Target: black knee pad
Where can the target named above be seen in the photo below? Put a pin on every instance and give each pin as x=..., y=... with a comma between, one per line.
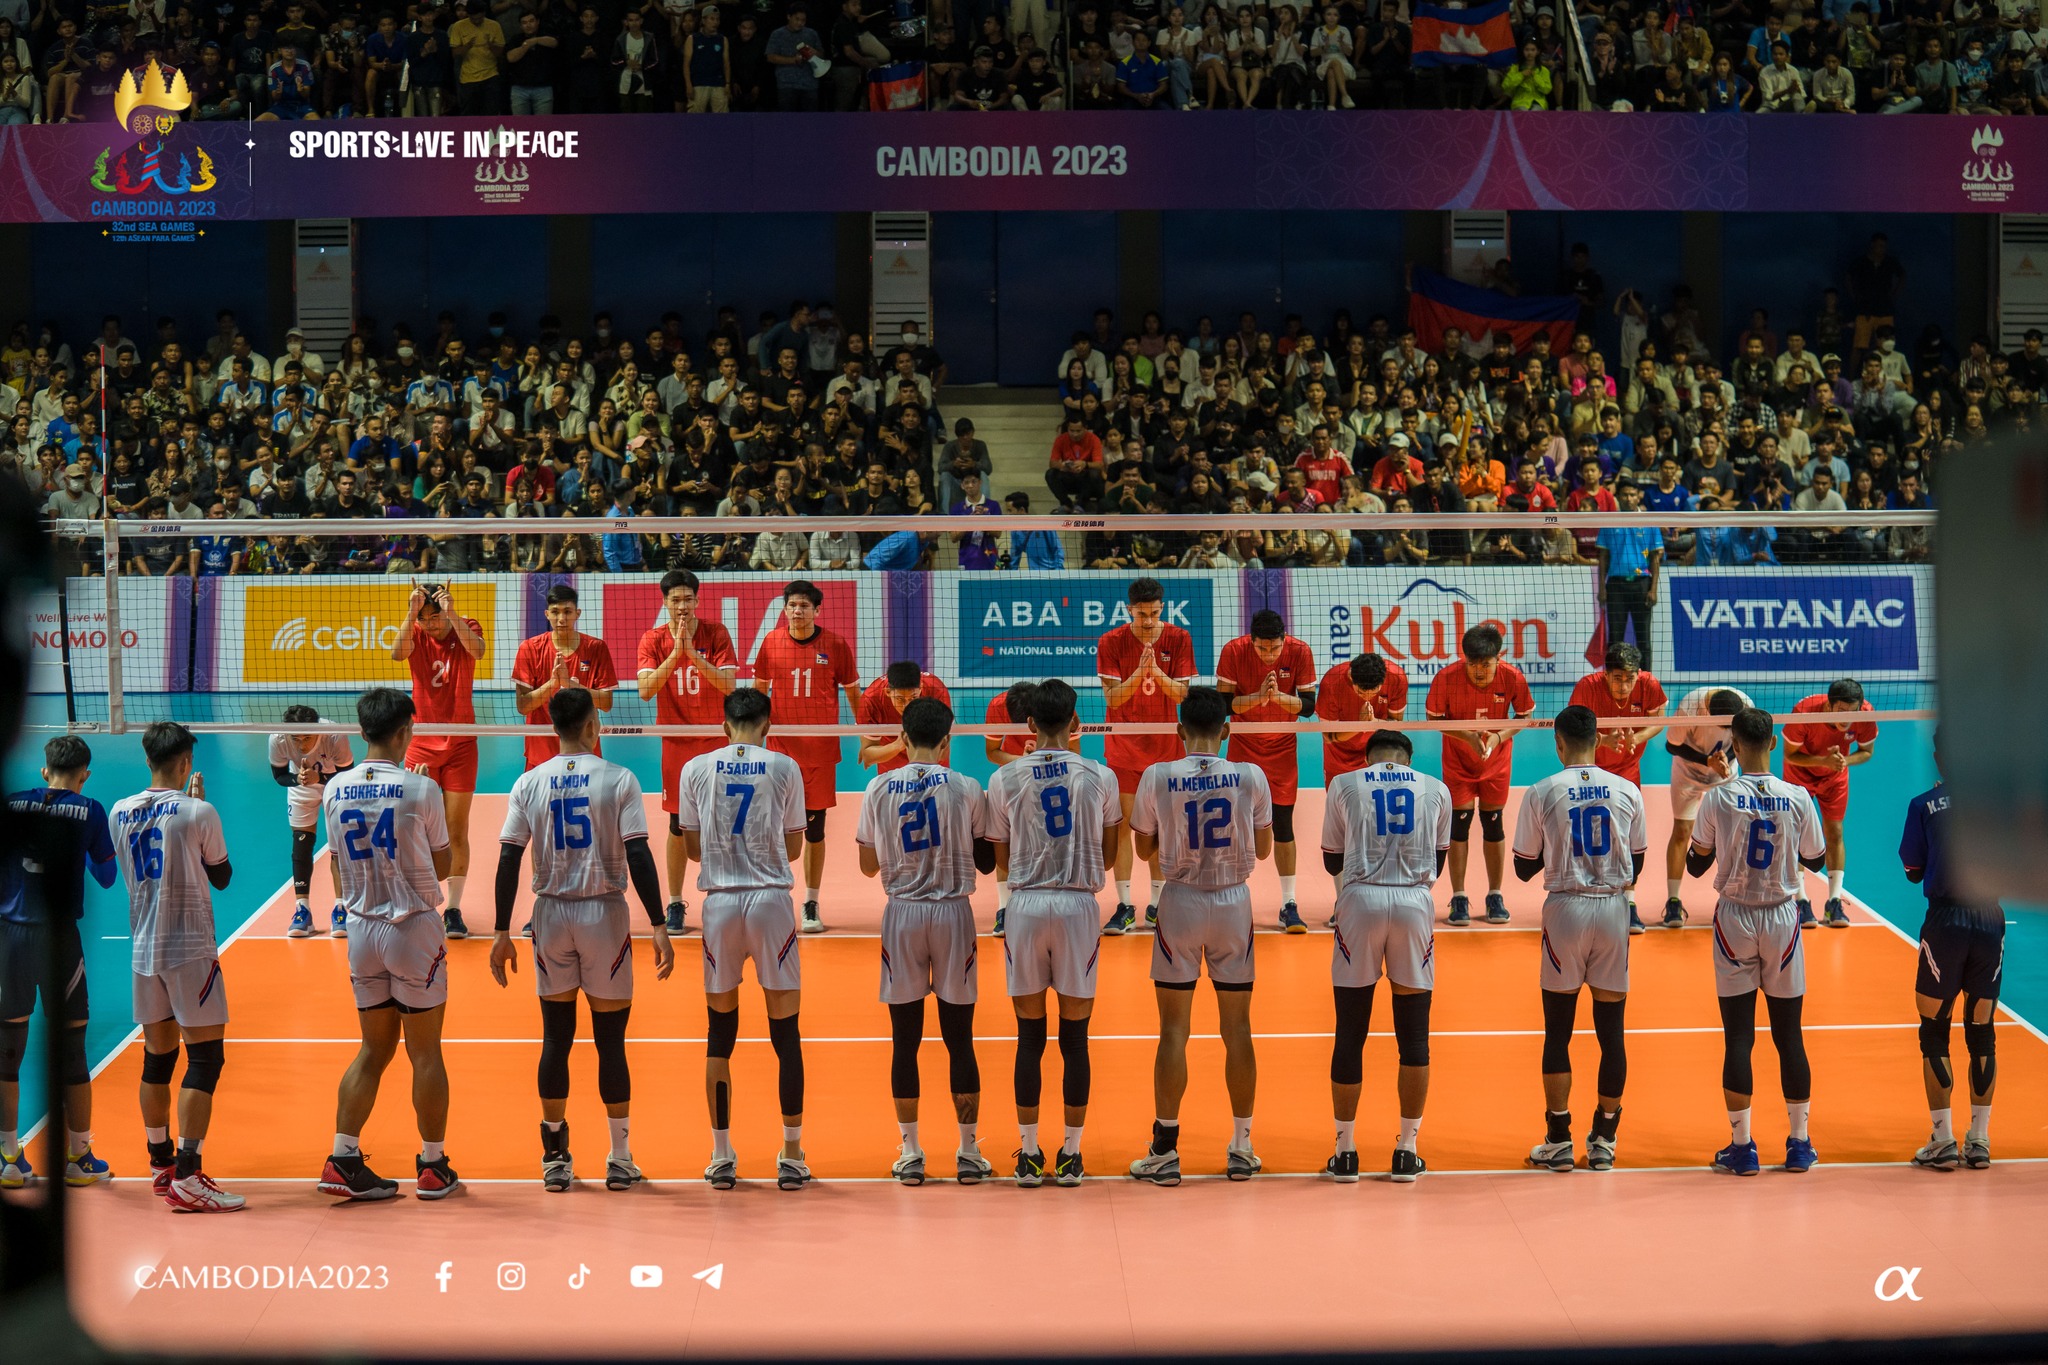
x=721, y=1032
x=1607, y=1026
x=814, y=827
x=159, y=1067
x=1982, y=1041
x=1461, y=826
x=1347, y=1052
x=1934, y=1047
x=1560, y=1014
x=302, y=861
x=1030, y=1057
x=614, y=1078
x=1076, y=1075
x=203, y=1062
x=906, y=1033
x=1492, y=827
x=557, y=1035
x=956, y=1026
x=1283, y=824
x=13, y=1047
x=1411, y=1027
x=787, y=1039
x=675, y=825
x=1795, y=1075
x=76, y=1070
x=1738, y=1041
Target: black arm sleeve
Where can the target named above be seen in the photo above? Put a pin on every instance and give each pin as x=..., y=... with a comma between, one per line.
x=1308, y=703
x=1697, y=862
x=984, y=857
x=646, y=882
x=1814, y=864
x=1333, y=863
x=1525, y=868
x=285, y=777
x=1640, y=859
x=217, y=874
x=1442, y=856
x=1914, y=874
x=509, y=856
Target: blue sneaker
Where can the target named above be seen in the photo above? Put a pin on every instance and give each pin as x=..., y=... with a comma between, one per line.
x=998, y=929
x=1496, y=908
x=339, y=919
x=1738, y=1159
x=677, y=920
x=302, y=923
x=83, y=1168
x=15, y=1172
x=1635, y=921
x=1806, y=919
x=1290, y=919
x=1833, y=915
x=1121, y=921
x=1799, y=1155
x=1461, y=910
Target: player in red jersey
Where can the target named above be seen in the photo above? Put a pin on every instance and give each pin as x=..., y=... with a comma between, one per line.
x=902, y=683
x=442, y=648
x=1818, y=758
x=1270, y=675
x=1622, y=688
x=1479, y=764
x=687, y=666
x=561, y=658
x=802, y=668
x=1144, y=667
x=1012, y=707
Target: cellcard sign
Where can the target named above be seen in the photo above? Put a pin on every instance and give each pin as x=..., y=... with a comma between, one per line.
x=1548, y=619
x=1820, y=623
x=1012, y=626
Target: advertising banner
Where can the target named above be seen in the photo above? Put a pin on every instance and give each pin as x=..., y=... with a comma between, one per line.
x=749, y=606
x=155, y=643
x=1756, y=625
x=1549, y=619
x=337, y=632
x=1020, y=625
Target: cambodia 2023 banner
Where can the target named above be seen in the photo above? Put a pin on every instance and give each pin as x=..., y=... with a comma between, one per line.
x=152, y=168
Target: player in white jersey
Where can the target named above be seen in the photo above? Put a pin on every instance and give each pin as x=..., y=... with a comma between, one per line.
x=1207, y=822
x=390, y=825
x=1764, y=830
x=1702, y=758
x=1013, y=708
x=172, y=854
x=301, y=764
x=1055, y=819
x=924, y=831
x=1386, y=833
x=588, y=827
x=743, y=857
x=1584, y=829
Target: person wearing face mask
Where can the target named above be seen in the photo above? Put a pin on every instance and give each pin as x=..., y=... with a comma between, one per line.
x=310, y=365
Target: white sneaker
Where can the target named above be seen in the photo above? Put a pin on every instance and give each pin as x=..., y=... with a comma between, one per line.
x=909, y=1166
x=723, y=1173
x=197, y=1193
x=1939, y=1155
x=1552, y=1156
x=1240, y=1164
x=971, y=1166
x=791, y=1173
x=812, y=922
x=1157, y=1168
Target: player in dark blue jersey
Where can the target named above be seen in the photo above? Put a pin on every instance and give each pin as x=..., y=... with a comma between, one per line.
x=42, y=896
x=1962, y=952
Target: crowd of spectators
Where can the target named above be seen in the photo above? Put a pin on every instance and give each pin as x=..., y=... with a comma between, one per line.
x=1830, y=414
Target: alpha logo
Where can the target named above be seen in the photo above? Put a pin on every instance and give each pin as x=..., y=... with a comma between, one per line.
x=148, y=106
x=1423, y=628
x=1986, y=178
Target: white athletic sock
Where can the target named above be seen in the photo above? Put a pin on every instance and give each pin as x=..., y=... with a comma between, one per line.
x=10, y=1139
x=1942, y=1131
x=1073, y=1142
x=1002, y=895
x=430, y=1152
x=721, y=1144
x=1287, y=887
x=455, y=885
x=1835, y=883
x=1409, y=1128
x=621, y=1148
x=1123, y=891
x=909, y=1133
x=81, y=1143
x=1796, y=1113
x=1241, y=1133
x=1344, y=1142
x=1980, y=1122
x=1671, y=886
x=345, y=1144
x=192, y=1145
x=1028, y=1133
x=304, y=906
x=1738, y=1123
x=554, y=1125
x=810, y=894
x=1152, y=894
x=157, y=1134
x=970, y=1141
x=792, y=1135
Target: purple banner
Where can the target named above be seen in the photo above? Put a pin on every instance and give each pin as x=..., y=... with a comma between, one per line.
x=179, y=176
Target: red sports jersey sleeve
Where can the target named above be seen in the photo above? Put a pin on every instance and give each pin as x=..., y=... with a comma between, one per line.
x=1116, y=657
x=998, y=713
x=590, y=664
x=878, y=710
x=1826, y=739
x=443, y=677
x=1452, y=696
x=802, y=679
x=688, y=699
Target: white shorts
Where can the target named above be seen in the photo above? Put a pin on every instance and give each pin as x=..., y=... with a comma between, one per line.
x=302, y=806
x=193, y=993
x=1198, y=923
x=584, y=945
x=1585, y=942
x=1757, y=948
x=405, y=960
x=750, y=924
x=1689, y=782
x=928, y=948
x=1390, y=925
x=1052, y=938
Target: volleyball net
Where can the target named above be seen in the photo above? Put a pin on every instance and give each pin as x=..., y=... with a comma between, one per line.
x=221, y=625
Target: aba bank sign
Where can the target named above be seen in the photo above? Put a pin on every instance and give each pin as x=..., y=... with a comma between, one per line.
x=1785, y=623
x=1013, y=627
x=1545, y=634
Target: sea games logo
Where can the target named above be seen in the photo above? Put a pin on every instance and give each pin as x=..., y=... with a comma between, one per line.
x=1987, y=179
x=1422, y=627
x=154, y=189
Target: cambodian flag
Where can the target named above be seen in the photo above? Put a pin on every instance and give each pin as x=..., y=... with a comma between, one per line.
x=1436, y=302
x=1478, y=35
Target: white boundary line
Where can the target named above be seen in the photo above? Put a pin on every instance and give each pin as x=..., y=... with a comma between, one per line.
x=2008, y=1010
